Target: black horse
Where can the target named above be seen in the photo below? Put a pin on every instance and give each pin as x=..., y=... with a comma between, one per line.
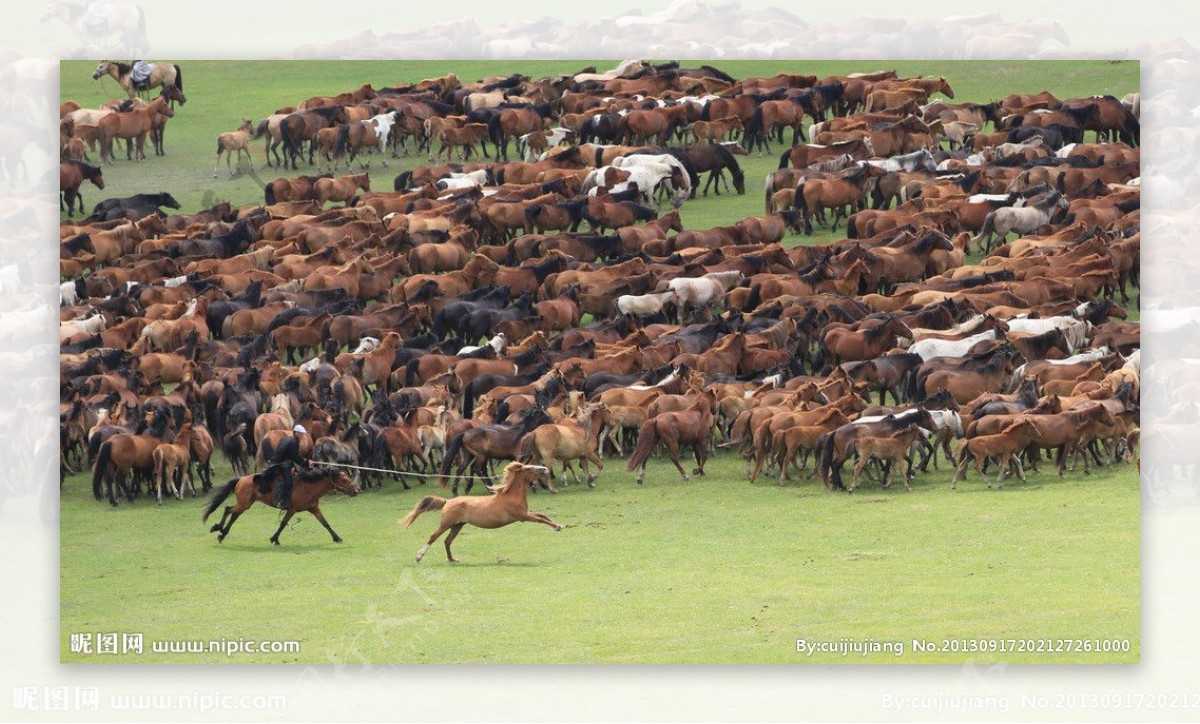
x=132, y=207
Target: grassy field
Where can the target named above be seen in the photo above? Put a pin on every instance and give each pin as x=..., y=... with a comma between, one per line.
x=713, y=570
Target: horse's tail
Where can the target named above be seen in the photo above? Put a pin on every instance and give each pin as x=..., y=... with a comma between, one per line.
x=785, y=158
x=428, y=503
x=754, y=129
x=799, y=201
x=343, y=138
x=1060, y=182
x=646, y=442
x=453, y=448
x=178, y=75
x=988, y=228
x=495, y=132
x=103, y=458
x=525, y=449
x=468, y=403
x=754, y=298
x=824, y=455
x=268, y=192
x=219, y=497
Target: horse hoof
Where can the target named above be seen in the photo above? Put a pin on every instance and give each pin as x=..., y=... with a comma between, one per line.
x=337, y=540
x=557, y=528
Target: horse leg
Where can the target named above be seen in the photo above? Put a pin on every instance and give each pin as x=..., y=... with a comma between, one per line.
x=282, y=524
x=454, y=533
x=673, y=450
x=316, y=511
x=218, y=527
x=528, y=517
x=858, y=468
x=961, y=472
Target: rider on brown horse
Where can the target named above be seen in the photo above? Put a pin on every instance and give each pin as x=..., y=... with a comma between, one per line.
x=283, y=459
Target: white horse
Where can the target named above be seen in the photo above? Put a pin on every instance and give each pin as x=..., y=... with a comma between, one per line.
x=656, y=169
x=1092, y=355
x=1075, y=330
x=471, y=180
x=930, y=348
x=915, y=161
x=699, y=292
x=91, y=325
x=1023, y=220
x=498, y=343
x=643, y=304
x=383, y=128
x=1008, y=149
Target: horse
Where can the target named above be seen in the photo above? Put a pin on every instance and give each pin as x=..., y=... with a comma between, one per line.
x=488, y=442
x=508, y=504
x=174, y=458
x=1004, y=446
x=566, y=440
x=125, y=452
x=816, y=194
x=239, y=141
x=134, y=124
x=310, y=486
x=296, y=128
x=162, y=75
x=340, y=189
x=93, y=22
x=715, y=158
x=71, y=175
x=1023, y=220
x=355, y=136
x=692, y=427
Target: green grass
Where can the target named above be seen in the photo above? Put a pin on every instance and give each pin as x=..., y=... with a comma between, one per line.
x=714, y=570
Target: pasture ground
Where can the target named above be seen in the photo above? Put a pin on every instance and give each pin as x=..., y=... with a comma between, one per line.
x=713, y=570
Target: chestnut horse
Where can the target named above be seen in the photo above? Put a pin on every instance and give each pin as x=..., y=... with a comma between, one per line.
x=509, y=504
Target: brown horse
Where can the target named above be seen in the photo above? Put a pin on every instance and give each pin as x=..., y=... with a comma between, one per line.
x=509, y=504
x=815, y=195
x=71, y=175
x=301, y=188
x=125, y=452
x=566, y=440
x=134, y=124
x=310, y=486
x=690, y=427
x=297, y=128
x=340, y=189
x=239, y=141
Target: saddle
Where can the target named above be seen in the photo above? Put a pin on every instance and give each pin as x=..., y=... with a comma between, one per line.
x=140, y=75
x=266, y=479
x=96, y=16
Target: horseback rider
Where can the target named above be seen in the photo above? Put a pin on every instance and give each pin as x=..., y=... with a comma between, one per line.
x=283, y=460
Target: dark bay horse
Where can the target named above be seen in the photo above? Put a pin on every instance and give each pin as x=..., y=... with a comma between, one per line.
x=509, y=504
x=303, y=126
x=310, y=486
x=71, y=175
x=488, y=442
